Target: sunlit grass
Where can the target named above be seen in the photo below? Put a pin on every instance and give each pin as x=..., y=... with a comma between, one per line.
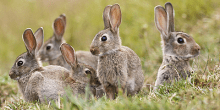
x=199, y=18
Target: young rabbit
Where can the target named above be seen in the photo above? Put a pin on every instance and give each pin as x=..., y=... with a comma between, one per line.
x=117, y=65
x=88, y=76
x=50, y=51
x=38, y=83
x=178, y=48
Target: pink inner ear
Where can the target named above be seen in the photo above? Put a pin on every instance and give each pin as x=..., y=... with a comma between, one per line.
x=68, y=54
x=163, y=21
x=115, y=16
x=29, y=40
x=161, y=17
x=59, y=26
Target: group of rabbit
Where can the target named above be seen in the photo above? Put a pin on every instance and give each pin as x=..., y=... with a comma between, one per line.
x=107, y=66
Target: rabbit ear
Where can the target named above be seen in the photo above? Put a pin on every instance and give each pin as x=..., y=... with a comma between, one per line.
x=30, y=41
x=63, y=16
x=39, y=36
x=170, y=16
x=59, y=28
x=161, y=20
x=106, y=16
x=115, y=17
x=69, y=54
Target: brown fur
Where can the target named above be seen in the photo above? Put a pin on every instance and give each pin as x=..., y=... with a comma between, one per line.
x=117, y=65
x=53, y=55
x=176, y=54
x=81, y=73
x=43, y=84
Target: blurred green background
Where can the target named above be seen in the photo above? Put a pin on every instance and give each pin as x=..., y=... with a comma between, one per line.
x=199, y=18
x=84, y=20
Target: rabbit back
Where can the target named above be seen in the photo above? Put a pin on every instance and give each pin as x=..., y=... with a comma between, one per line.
x=135, y=74
x=123, y=65
x=87, y=58
x=46, y=83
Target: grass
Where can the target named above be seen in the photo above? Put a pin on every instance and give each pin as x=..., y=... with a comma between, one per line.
x=199, y=18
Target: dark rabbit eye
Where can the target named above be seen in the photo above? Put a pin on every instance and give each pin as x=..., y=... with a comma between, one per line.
x=48, y=47
x=104, y=38
x=20, y=63
x=88, y=72
x=180, y=40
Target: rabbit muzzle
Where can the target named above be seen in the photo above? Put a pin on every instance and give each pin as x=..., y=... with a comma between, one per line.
x=13, y=75
x=196, y=50
x=95, y=50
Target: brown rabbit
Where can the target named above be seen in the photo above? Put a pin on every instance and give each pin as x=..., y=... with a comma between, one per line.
x=38, y=83
x=178, y=48
x=50, y=51
x=117, y=65
x=81, y=77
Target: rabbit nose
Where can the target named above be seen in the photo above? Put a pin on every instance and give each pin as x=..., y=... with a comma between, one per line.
x=92, y=50
x=198, y=47
x=11, y=73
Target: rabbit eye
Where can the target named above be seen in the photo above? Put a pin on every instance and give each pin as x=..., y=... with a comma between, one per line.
x=48, y=47
x=104, y=38
x=20, y=63
x=88, y=72
x=180, y=40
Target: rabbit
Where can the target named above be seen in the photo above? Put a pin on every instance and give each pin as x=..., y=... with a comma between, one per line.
x=81, y=77
x=118, y=66
x=178, y=48
x=34, y=81
x=43, y=84
x=50, y=51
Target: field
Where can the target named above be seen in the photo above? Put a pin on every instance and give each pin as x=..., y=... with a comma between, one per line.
x=198, y=18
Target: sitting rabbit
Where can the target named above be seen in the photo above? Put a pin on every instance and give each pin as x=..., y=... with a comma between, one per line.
x=117, y=65
x=178, y=48
x=42, y=84
x=50, y=51
x=88, y=75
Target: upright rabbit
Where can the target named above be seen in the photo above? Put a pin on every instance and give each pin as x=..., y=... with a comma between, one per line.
x=34, y=81
x=117, y=64
x=178, y=48
x=50, y=51
x=38, y=83
x=81, y=77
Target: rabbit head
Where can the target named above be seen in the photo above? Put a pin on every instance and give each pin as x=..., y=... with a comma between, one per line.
x=28, y=61
x=80, y=72
x=108, y=39
x=51, y=48
x=178, y=44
